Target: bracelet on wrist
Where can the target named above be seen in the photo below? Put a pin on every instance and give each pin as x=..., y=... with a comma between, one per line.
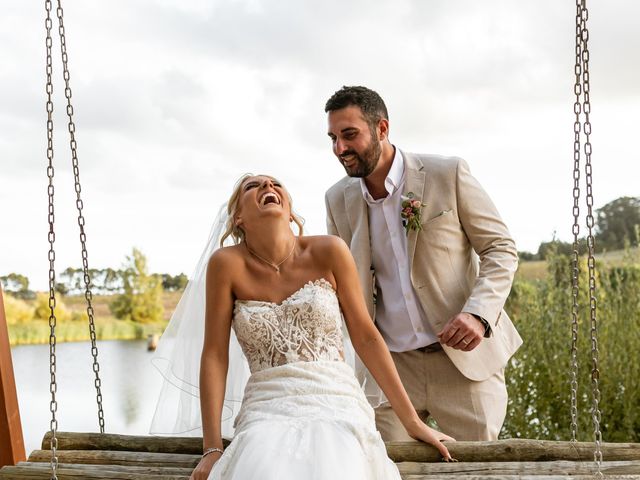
x=211, y=450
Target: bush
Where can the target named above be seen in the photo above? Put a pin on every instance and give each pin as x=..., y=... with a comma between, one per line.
x=538, y=377
x=17, y=311
x=42, y=310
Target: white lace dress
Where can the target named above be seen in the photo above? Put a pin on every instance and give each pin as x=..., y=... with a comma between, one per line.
x=303, y=416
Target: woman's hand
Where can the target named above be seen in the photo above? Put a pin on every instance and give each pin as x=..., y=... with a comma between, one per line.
x=201, y=472
x=422, y=432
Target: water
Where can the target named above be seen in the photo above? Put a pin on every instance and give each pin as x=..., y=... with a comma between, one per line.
x=130, y=387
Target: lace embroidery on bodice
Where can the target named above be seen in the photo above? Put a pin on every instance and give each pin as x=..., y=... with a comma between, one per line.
x=304, y=327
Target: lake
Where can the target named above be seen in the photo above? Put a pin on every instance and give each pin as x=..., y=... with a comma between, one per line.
x=130, y=387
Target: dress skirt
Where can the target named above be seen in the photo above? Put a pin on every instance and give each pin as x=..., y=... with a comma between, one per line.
x=305, y=421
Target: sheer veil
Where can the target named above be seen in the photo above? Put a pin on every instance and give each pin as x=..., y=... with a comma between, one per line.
x=177, y=357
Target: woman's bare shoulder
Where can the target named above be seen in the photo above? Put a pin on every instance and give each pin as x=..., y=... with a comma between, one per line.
x=326, y=246
x=226, y=257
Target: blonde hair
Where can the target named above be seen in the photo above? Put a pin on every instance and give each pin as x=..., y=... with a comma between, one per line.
x=234, y=231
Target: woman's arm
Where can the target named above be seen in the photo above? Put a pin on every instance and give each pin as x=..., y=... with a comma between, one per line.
x=215, y=358
x=372, y=350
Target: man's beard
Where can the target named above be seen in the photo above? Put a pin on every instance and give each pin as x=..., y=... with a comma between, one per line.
x=365, y=163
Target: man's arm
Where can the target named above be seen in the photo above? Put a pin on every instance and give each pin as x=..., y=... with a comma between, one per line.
x=493, y=243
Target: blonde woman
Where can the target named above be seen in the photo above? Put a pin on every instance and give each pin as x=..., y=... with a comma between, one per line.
x=303, y=414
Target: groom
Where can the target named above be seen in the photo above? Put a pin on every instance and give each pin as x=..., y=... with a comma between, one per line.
x=435, y=282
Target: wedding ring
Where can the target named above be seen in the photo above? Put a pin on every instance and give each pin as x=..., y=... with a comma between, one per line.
x=466, y=342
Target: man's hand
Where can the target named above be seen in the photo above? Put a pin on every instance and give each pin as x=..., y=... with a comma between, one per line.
x=463, y=332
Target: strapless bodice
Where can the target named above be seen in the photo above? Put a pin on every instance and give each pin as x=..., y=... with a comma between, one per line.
x=306, y=326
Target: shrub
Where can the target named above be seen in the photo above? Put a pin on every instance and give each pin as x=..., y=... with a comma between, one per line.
x=17, y=311
x=538, y=378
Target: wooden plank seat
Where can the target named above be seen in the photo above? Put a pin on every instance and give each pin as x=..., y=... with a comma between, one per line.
x=101, y=456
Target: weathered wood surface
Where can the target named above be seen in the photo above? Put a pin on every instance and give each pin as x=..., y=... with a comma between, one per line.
x=129, y=443
x=107, y=457
x=77, y=472
x=140, y=470
x=561, y=467
x=517, y=477
x=511, y=450
x=30, y=473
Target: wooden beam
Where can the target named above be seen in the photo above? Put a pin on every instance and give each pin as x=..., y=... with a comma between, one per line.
x=80, y=473
x=130, y=443
x=110, y=457
x=510, y=450
x=560, y=468
x=11, y=438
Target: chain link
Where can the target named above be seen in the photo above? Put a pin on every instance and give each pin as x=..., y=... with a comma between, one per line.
x=595, y=371
x=575, y=272
x=81, y=221
x=53, y=386
x=583, y=106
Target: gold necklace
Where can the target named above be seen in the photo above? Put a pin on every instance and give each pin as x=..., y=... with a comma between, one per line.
x=275, y=266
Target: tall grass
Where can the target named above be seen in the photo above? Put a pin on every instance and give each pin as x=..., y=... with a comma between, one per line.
x=538, y=378
x=37, y=331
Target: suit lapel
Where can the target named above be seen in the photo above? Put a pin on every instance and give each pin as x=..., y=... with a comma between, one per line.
x=415, y=183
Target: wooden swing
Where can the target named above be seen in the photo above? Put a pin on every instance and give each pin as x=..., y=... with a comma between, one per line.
x=100, y=455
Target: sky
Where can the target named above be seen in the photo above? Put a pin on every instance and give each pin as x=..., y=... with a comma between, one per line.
x=175, y=100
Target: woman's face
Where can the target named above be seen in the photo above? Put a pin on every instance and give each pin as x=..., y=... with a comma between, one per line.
x=259, y=196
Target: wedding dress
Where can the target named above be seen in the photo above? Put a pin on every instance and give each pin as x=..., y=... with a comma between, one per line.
x=303, y=416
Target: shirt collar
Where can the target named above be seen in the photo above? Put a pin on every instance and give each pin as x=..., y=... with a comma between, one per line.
x=394, y=177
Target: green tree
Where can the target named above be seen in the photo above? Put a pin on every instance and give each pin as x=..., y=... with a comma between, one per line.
x=17, y=285
x=141, y=300
x=175, y=283
x=617, y=222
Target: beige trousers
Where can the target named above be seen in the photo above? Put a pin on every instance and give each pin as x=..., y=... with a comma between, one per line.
x=462, y=408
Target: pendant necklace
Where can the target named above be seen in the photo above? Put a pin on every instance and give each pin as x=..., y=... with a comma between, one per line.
x=275, y=266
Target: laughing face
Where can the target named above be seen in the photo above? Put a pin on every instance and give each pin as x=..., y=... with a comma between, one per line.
x=262, y=195
x=356, y=145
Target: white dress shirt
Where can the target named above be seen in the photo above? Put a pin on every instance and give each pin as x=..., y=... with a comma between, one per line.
x=399, y=315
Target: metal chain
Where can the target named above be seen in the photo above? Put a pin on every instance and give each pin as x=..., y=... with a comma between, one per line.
x=81, y=221
x=575, y=272
x=53, y=386
x=595, y=372
x=583, y=106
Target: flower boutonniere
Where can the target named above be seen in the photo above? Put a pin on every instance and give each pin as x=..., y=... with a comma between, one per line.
x=411, y=213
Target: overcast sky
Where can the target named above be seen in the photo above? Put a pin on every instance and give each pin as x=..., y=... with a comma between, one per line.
x=174, y=100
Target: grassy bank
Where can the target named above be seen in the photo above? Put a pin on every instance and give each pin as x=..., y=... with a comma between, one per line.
x=73, y=325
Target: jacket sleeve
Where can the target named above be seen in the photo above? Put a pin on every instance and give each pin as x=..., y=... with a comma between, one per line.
x=493, y=243
x=332, y=229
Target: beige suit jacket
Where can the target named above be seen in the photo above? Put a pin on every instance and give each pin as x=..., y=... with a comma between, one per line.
x=463, y=259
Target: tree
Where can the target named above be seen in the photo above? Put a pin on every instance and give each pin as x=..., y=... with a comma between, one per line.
x=617, y=222
x=17, y=285
x=141, y=300
x=174, y=283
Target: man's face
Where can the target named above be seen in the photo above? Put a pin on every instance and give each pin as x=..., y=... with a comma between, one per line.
x=353, y=142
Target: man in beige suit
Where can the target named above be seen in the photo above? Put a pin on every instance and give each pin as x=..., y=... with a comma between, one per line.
x=436, y=289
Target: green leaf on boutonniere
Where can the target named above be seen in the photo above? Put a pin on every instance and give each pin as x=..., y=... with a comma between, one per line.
x=411, y=212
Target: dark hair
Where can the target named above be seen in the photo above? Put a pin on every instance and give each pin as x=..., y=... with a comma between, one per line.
x=371, y=104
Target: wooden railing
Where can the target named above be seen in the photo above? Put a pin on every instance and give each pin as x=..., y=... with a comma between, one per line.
x=11, y=440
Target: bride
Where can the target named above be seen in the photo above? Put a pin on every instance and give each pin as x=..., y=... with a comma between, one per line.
x=303, y=413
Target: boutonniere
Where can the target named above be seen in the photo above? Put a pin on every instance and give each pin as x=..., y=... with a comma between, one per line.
x=411, y=213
